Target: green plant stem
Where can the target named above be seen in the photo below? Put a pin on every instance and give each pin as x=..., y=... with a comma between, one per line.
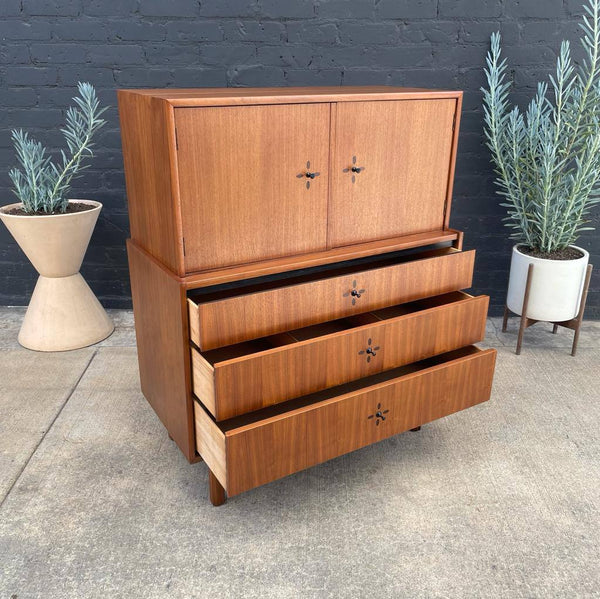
x=75, y=161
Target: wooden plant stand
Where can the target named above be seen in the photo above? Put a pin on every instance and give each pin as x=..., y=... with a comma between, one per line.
x=574, y=323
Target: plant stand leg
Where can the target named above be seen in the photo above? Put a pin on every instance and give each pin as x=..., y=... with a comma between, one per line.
x=555, y=328
x=505, y=319
x=215, y=490
x=524, y=319
x=579, y=317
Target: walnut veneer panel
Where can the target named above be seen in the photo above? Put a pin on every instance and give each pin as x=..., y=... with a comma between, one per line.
x=219, y=96
x=244, y=194
x=224, y=322
x=257, y=380
x=148, y=151
x=163, y=346
x=403, y=150
x=300, y=261
x=262, y=450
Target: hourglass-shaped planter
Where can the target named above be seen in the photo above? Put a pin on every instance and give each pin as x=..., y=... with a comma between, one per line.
x=63, y=312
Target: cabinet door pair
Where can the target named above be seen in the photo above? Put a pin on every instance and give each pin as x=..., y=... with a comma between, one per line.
x=260, y=182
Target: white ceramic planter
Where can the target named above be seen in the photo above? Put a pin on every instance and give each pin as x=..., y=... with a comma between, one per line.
x=556, y=286
x=63, y=313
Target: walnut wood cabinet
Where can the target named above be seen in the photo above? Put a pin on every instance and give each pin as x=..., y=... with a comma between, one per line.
x=297, y=290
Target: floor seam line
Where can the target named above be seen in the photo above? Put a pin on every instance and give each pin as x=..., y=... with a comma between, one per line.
x=69, y=395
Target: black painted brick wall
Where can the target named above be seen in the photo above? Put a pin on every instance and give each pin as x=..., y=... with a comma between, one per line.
x=46, y=46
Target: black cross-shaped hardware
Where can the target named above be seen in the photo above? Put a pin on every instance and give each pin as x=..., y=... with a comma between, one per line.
x=370, y=351
x=355, y=170
x=354, y=293
x=379, y=415
x=308, y=175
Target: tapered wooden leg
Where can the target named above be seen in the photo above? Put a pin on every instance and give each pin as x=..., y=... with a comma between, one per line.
x=523, y=325
x=554, y=329
x=216, y=491
x=520, y=337
x=415, y=430
x=586, y=286
x=575, y=339
x=505, y=319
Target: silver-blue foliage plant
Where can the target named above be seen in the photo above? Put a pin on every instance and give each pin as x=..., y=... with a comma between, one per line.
x=41, y=184
x=547, y=160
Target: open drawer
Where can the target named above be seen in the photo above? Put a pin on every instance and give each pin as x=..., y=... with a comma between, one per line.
x=229, y=316
x=252, y=450
x=237, y=379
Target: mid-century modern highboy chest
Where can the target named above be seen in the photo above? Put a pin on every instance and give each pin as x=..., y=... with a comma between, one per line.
x=296, y=286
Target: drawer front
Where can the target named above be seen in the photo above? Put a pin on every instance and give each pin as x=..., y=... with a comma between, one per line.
x=254, y=453
x=240, y=318
x=255, y=381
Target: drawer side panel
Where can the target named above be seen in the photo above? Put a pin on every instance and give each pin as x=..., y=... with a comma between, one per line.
x=210, y=444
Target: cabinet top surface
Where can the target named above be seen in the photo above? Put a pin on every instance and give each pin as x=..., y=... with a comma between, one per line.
x=267, y=95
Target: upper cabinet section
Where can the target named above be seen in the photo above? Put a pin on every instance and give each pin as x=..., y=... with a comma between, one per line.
x=221, y=178
x=390, y=168
x=253, y=182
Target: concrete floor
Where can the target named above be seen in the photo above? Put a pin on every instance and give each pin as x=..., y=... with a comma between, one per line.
x=502, y=500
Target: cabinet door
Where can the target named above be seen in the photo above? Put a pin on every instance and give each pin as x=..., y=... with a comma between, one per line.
x=400, y=151
x=243, y=187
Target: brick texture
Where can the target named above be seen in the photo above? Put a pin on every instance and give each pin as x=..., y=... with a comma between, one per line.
x=48, y=45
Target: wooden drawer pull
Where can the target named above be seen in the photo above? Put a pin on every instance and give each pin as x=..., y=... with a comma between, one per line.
x=354, y=293
x=370, y=351
x=379, y=415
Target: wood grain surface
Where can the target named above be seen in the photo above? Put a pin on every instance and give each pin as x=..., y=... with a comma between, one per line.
x=249, y=316
x=244, y=382
x=163, y=346
x=403, y=149
x=289, y=95
x=312, y=259
x=264, y=449
x=148, y=147
x=244, y=193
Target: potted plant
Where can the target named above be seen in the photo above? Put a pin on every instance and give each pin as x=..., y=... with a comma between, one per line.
x=54, y=233
x=547, y=162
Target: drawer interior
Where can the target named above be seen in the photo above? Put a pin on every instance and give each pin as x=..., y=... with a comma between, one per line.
x=229, y=290
x=333, y=392
x=333, y=327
